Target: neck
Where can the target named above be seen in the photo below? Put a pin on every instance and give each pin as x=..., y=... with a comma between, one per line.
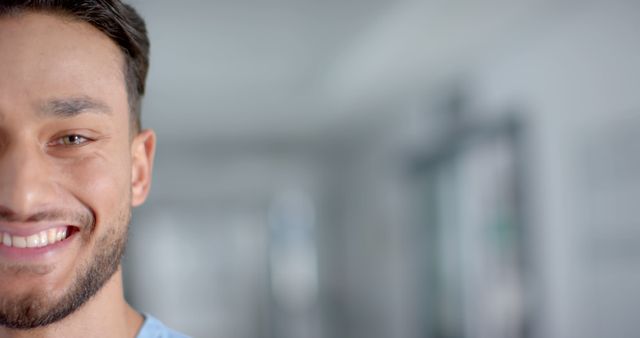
x=106, y=315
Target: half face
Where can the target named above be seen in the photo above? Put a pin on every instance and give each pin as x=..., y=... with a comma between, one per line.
x=69, y=168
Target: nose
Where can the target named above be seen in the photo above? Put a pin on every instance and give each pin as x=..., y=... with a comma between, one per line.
x=25, y=181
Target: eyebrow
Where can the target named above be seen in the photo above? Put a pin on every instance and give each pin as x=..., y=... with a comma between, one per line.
x=72, y=106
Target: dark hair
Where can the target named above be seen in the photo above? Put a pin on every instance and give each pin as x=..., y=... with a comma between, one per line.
x=117, y=20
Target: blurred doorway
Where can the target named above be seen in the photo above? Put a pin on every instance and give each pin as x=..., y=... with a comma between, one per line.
x=472, y=226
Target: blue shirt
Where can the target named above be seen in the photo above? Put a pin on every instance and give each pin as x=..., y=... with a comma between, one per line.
x=153, y=328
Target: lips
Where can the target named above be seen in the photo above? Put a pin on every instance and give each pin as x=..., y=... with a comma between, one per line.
x=39, y=239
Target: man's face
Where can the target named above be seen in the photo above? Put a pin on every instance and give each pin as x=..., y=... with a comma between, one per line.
x=68, y=163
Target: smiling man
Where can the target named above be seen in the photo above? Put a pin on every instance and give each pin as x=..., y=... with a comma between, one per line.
x=73, y=163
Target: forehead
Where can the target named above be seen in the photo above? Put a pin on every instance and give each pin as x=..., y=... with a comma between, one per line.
x=44, y=56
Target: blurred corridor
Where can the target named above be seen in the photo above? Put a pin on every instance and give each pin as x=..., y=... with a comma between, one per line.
x=392, y=169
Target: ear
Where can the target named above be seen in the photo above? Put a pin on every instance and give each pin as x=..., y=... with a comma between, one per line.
x=143, y=150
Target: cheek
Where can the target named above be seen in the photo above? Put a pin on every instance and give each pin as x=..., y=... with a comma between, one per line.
x=99, y=182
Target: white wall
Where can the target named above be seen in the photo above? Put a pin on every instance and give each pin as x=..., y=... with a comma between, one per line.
x=577, y=79
x=574, y=78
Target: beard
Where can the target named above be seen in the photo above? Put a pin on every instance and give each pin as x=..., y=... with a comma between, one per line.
x=38, y=309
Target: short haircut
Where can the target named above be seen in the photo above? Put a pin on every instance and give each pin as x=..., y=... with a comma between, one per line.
x=118, y=21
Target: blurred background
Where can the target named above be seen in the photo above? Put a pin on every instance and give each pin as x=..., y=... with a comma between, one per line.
x=392, y=169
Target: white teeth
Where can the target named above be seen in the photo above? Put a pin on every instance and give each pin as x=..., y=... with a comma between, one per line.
x=43, y=239
x=38, y=240
x=51, y=236
x=62, y=234
x=18, y=242
x=33, y=241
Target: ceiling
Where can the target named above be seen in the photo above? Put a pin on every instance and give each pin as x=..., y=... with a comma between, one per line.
x=285, y=69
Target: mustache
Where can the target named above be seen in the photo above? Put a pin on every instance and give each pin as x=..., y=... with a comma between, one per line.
x=83, y=218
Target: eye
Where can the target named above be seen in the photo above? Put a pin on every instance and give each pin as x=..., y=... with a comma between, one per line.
x=70, y=140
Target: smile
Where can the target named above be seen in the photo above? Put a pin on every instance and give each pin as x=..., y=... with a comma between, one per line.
x=37, y=240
